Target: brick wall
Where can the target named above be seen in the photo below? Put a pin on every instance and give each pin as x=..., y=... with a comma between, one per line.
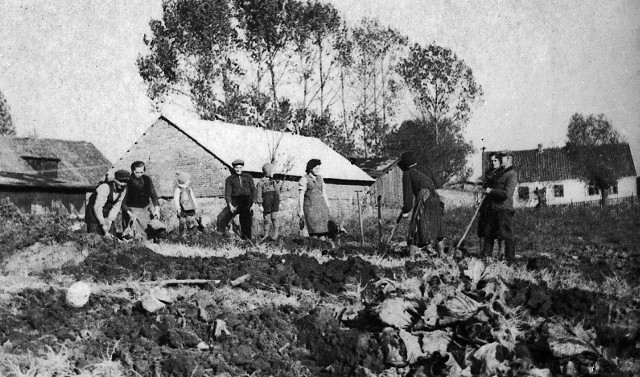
x=166, y=151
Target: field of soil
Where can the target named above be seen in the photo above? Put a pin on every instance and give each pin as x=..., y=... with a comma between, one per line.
x=212, y=306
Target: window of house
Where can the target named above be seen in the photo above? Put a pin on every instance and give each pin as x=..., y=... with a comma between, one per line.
x=523, y=193
x=558, y=191
x=47, y=167
x=593, y=189
x=614, y=189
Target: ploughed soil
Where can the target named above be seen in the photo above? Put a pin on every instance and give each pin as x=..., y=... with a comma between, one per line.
x=570, y=332
x=284, y=340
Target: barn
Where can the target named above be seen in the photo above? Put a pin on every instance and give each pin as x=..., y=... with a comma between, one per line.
x=551, y=169
x=49, y=176
x=179, y=141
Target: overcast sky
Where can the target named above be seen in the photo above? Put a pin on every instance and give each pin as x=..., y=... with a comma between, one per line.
x=68, y=68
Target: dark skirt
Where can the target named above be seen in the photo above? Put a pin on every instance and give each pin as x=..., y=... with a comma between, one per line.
x=426, y=220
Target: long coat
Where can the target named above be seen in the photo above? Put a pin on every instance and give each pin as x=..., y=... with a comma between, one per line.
x=426, y=219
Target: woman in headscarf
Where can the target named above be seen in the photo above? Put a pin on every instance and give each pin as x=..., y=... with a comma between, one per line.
x=141, y=203
x=313, y=201
x=425, y=227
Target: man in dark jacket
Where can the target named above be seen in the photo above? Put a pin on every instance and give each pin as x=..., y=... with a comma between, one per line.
x=501, y=199
x=239, y=192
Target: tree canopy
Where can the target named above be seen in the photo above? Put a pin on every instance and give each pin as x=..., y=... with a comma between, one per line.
x=442, y=85
x=587, y=141
x=446, y=158
x=591, y=130
x=298, y=66
x=6, y=122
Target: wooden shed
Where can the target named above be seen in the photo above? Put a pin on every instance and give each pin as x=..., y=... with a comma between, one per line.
x=48, y=175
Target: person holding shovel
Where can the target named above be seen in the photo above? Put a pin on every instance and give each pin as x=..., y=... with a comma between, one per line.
x=500, y=220
x=140, y=205
x=421, y=199
x=488, y=180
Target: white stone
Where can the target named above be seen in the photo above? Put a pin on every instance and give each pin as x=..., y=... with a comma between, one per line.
x=78, y=294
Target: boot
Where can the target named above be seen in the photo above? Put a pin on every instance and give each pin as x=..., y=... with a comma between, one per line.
x=267, y=229
x=441, y=251
x=274, y=229
x=510, y=251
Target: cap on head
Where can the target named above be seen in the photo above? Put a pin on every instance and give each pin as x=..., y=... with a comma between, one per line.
x=506, y=153
x=122, y=175
x=183, y=178
x=237, y=162
x=267, y=169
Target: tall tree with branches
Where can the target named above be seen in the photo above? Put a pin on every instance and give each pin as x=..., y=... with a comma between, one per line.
x=374, y=54
x=442, y=85
x=269, y=27
x=192, y=54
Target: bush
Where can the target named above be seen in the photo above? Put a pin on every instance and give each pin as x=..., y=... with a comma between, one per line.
x=19, y=230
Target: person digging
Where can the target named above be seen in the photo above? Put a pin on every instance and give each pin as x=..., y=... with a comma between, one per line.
x=423, y=202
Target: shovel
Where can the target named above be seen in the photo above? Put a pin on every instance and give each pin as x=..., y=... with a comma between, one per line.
x=470, y=223
x=395, y=227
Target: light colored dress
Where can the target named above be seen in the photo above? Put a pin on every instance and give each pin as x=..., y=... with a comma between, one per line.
x=316, y=211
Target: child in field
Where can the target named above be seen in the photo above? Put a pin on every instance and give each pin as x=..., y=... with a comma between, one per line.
x=185, y=203
x=268, y=196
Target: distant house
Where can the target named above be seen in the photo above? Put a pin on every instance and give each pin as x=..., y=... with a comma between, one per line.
x=551, y=169
x=205, y=149
x=388, y=184
x=49, y=176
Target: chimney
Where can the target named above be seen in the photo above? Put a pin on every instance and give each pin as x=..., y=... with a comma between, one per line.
x=539, y=148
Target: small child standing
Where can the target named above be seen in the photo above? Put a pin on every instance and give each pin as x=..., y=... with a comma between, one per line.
x=185, y=203
x=268, y=196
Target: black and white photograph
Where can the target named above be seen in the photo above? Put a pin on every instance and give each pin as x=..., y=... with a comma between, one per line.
x=297, y=188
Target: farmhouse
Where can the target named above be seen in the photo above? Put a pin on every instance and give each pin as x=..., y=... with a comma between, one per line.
x=388, y=185
x=205, y=149
x=551, y=169
x=49, y=176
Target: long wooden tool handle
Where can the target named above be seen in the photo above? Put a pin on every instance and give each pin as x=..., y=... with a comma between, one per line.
x=470, y=223
x=395, y=226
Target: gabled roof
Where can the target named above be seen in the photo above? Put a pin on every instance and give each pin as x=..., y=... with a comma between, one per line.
x=256, y=146
x=554, y=164
x=79, y=162
x=375, y=166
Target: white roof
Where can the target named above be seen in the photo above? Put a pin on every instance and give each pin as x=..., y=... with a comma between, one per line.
x=257, y=146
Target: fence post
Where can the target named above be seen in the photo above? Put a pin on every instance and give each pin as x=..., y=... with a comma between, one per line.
x=360, y=219
x=380, y=222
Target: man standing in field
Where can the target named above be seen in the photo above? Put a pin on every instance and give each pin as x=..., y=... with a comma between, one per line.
x=239, y=192
x=501, y=198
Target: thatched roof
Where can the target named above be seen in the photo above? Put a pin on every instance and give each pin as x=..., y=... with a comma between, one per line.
x=79, y=163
